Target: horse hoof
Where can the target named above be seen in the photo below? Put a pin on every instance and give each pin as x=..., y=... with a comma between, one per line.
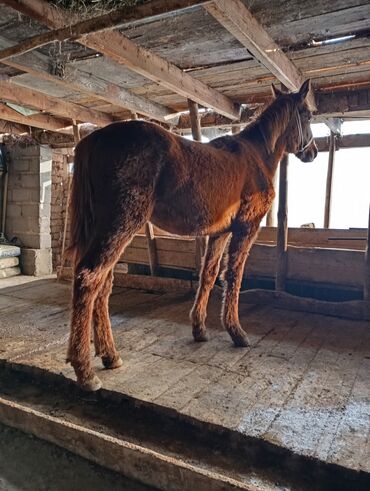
x=241, y=341
x=111, y=363
x=91, y=385
x=200, y=337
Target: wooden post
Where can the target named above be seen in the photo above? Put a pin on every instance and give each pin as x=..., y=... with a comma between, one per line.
x=76, y=136
x=152, y=249
x=195, y=121
x=329, y=180
x=200, y=242
x=282, y=230
x=235, y=129
x=367, y=265
x=271, y=214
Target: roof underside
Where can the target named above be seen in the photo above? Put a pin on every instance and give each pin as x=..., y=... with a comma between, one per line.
x=193, y=40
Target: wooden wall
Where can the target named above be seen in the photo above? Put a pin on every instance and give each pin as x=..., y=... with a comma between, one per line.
x=314, y=255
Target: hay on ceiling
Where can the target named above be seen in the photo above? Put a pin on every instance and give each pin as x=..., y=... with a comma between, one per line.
x=94, y=7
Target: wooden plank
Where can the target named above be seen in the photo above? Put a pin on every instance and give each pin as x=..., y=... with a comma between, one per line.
x=152, y=250
x=37, y=65
x=116, y=46
x=328, y=266
x=31, y=98
x=13, y=128
x=318, y=237
x=282, y=230
x=196, y=132
x=102, y=22
x=329, y=180
x=346, y=141
x=367, y=264
x=43, y=121
x=122, y=50
x=238, y=20
x=106, y=21
x=354, y=309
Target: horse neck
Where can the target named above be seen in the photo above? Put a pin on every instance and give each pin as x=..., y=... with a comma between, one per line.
x=270, y=129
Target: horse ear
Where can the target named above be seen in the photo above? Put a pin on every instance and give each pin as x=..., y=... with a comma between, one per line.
x=275, y=91
x=304, y=90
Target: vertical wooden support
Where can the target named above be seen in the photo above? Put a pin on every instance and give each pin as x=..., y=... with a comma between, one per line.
x=367, y=265
x=200, y=242
x=235, y=129
x=152, y=249
x=329, y=180
x=271, y=214
x=76, y=136
x=282, y=230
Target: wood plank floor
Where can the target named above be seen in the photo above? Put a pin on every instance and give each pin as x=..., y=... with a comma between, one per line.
x=304, y=384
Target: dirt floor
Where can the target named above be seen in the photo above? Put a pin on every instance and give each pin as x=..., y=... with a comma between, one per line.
x=303, y=385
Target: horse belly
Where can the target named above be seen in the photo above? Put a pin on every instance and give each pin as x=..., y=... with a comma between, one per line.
x=187, y=217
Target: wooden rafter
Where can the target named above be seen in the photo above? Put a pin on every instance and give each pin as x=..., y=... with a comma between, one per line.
x=239, y=21
x=13, y=128
x=31, y=98
x=100, y=23
x=118, y=47
x=37, y=65
x=43, y=121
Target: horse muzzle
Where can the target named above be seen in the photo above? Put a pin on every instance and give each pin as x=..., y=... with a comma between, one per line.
x=309, y=154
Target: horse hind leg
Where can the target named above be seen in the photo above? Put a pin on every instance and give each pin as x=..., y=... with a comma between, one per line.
x=103, y=336
x=92, y=270
x=208, y=275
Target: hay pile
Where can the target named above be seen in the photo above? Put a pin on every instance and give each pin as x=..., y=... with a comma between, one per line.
x=87, y=8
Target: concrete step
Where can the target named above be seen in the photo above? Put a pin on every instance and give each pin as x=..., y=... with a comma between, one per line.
x=144, y=443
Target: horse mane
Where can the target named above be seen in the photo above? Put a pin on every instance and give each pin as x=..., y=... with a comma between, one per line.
x=272, y=120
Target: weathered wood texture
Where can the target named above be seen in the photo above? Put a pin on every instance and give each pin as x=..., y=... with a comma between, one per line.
x=148, y=64
x=31, y=98
x=329, y=180
x=367, y=264
x=152, y=248
x=302, y=385
x=303, y=263
x=42, y=121
x=238, y=20
x=282, y=228
x=195, y=41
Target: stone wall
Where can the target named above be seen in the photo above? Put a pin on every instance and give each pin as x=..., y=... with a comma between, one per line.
x=28, y=211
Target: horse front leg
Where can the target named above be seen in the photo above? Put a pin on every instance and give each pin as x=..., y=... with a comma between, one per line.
x=240, y=244
x=208, y=275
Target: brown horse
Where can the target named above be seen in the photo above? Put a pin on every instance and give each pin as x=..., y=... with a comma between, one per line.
x=129, y=173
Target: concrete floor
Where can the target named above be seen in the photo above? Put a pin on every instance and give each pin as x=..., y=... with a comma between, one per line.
x=304, y=384
x=30, y=464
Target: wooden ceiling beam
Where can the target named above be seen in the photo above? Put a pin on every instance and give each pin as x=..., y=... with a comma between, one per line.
x=37, y=65
x=238, y=20
x=121, y=49
x=42, y=121
x=17, y=94
x=13, y=128
x=96, y=24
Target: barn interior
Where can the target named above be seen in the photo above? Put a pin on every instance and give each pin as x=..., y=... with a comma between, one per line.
x=293, y=410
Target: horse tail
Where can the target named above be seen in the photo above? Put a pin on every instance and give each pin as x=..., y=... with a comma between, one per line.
x=81, y=203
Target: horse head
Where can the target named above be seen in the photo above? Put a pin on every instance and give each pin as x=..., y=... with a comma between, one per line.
x=300, y=140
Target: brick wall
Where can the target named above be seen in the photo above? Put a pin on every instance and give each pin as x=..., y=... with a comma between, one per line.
x=59, y=192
